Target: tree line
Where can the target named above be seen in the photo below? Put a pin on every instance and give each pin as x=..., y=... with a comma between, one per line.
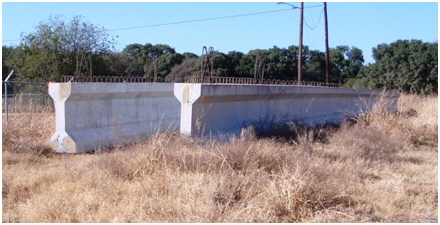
x=58, y=48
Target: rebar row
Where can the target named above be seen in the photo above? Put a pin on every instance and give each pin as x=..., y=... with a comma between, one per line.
x=193, y=79
x=108, y=79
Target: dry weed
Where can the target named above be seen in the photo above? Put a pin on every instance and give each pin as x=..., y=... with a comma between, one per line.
x=381, y=169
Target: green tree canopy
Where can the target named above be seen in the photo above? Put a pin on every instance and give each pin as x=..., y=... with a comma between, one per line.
x=58, y=48
x=76, y=47
x=408, y=66
x=6, y=53
x=345, y=63
x=158, y=58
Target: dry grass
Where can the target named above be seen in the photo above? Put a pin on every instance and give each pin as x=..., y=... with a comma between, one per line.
x=381, y=169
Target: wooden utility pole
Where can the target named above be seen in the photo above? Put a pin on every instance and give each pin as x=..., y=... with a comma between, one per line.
x=300, y=44
x=327, y=63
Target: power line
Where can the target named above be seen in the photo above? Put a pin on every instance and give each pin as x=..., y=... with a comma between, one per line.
x=193, y=21
x=316, y=23
x=11, y=40
x=313, y=6
x=198, y=20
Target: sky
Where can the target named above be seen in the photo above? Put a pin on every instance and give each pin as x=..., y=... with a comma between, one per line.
x=235, y=26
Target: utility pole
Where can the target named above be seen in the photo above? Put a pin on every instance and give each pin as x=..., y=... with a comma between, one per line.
x=300, y=44
x=300, y=48
x=327, y=63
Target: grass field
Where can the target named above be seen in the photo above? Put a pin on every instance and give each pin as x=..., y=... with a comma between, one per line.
x=382, y=168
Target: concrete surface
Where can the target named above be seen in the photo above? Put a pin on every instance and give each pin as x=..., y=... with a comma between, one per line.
x=211, y=109
x=93, y=116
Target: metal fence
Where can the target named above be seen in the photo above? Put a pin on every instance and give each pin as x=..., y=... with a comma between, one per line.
x=31, y=97
x=27, y=102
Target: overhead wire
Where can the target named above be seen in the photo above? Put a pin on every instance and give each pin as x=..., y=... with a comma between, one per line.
x=335, y=24
x=309, y=33
x=313, y=6
x=187, y=21
x=11, y=40
x=317, y=23
x=207, y=19
x=198, y=20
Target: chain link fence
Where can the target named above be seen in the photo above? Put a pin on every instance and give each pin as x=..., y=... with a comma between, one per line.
x=31, y=97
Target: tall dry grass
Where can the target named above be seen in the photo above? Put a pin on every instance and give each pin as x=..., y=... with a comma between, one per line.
x=381, y=169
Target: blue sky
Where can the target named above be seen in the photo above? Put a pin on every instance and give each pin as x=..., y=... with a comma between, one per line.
x=355, y=24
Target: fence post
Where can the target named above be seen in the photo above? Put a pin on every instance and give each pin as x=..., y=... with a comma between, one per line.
x=6, y=95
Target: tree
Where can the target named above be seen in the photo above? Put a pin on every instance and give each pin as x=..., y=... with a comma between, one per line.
x=345, y=63
x=184, y=70
x=167, y=61
x=222, y=65
x=57, y=48
x=134, y=50
x=314, y=68
x=85, y=40
x=234, y=67
x=6, y=53
x=408, y=66
x=246, y=65
x=118, y=64
x=280, y=64
x=158, y=58
x=188, y=55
